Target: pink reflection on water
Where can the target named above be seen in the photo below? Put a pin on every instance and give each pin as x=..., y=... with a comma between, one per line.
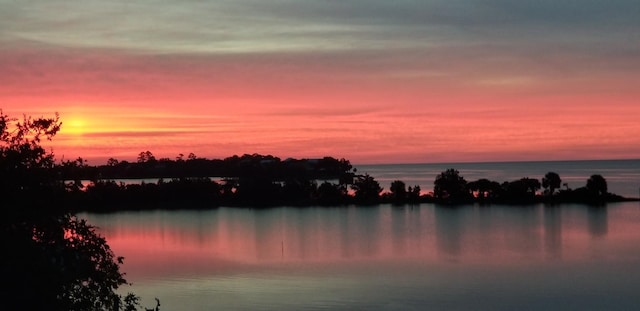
x=231, y=241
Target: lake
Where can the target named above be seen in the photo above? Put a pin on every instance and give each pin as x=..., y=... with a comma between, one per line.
x=423, y=257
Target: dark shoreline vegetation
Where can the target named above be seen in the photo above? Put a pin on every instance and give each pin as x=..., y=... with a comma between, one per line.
x=52, y=259
x=56, y=261
x=265, y=181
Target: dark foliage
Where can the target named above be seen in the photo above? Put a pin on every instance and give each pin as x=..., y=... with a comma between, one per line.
x=551, y=181
x=398, y=191
x=450, y=187
x=597, y=185
x=248, y=165
x=331, y=194
x=593, y=193
x=52, y=261
x=522, y=190
x=366, y=190
x=485, y=190
x=256, y=190
x=413, y=194
x=299, y=191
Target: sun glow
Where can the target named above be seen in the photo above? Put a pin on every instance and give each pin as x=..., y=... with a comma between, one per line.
x=75, y=125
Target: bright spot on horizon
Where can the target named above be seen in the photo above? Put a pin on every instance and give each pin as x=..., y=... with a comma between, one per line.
x=75, y=126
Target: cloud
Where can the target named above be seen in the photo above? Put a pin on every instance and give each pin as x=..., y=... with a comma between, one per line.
x=280, y=26
x=363, y=77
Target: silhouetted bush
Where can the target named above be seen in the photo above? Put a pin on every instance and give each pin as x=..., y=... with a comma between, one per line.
x=551, y=181
x=366, y=190
x=450, y=187
x=52, y=260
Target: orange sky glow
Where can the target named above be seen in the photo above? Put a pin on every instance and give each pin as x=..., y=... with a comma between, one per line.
x=373, y=82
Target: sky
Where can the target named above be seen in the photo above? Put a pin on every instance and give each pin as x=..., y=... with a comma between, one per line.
x=368, y=80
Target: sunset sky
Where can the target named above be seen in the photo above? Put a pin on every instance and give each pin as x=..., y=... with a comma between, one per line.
x=371, y=81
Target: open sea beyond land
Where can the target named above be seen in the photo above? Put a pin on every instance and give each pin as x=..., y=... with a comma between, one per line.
x=384, y=257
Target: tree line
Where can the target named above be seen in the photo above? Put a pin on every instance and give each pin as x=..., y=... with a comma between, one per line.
x=260, y=190
x=450, y=187
x=148, y=166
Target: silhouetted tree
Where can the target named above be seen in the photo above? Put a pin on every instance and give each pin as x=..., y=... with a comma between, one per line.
x=146, y=157
x=25, y=166
x=398, y=191
x=52, y=260
x=112, y=162
x=257, y=190
x=450, y=186
x=331, y=194
x=77, y=169
x=551, y=181
x=523, y=189
x=413, y=194
x=484, y=189
x=597, y=185
x=366, y=189
x=299, y=190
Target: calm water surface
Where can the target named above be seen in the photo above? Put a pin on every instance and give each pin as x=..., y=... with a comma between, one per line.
x=426, y=257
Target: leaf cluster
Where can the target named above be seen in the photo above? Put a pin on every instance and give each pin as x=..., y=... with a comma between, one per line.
x=53, y=260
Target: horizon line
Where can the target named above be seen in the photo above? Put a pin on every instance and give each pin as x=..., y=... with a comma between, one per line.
x=496, y=161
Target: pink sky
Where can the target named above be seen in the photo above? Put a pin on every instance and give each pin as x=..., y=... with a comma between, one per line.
x=374, y=83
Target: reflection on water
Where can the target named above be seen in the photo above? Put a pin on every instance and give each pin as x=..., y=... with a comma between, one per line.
x=293, y=258
x=325, y=234
x=597, y=221
x=449, y=230
x=553, y=231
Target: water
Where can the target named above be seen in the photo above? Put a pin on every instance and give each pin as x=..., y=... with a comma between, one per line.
x=424, y=257
x=382, y=258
